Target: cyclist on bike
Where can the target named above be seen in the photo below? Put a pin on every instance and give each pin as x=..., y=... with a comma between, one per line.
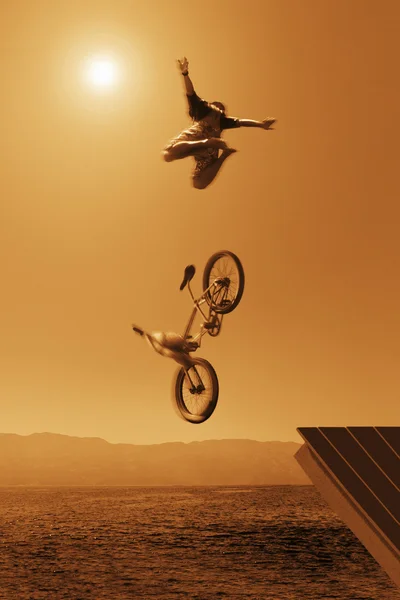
x=203, y=139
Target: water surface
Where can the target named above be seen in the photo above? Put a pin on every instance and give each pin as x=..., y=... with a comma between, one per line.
x=275, y=542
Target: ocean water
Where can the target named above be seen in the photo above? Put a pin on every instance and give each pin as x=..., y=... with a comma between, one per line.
x=275, y=542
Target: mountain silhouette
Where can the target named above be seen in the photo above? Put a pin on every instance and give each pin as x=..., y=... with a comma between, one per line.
x=54, y=459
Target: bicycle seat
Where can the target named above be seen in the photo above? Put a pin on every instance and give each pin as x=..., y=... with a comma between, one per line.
x=188, y=276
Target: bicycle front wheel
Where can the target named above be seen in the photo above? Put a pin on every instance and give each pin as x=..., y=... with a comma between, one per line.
x=196, y=391
x=225, y=274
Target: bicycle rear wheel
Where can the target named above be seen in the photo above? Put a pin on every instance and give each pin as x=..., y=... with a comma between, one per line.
x=196, y=391
x=225, y=270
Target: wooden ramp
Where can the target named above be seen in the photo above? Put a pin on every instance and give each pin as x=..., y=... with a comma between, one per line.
x=357, y=471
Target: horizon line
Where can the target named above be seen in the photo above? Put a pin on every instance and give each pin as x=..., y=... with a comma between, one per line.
x=151, y=443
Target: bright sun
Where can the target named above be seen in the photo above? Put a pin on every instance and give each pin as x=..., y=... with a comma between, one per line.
x=101, y=72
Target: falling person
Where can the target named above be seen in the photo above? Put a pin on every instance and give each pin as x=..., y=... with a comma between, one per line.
x=203, y=139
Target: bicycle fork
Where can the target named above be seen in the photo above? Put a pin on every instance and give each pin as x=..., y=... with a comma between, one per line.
x=195, y=389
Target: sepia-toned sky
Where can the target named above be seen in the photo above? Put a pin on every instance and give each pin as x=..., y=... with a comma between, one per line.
x=95, y=229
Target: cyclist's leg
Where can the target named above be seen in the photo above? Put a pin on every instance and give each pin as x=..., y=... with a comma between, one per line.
x=181, y=149
x=206, y=171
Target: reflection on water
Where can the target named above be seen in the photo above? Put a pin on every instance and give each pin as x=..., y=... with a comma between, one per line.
x=273, y=543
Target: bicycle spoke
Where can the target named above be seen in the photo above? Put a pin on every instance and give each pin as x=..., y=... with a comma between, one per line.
x=225, y=268
x=197, y=403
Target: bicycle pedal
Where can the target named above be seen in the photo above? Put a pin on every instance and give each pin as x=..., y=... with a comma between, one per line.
x=192, y=346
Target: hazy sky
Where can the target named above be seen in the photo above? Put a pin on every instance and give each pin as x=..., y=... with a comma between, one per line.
x=95, y=229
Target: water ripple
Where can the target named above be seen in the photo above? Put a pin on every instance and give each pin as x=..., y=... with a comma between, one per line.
x=165, y=543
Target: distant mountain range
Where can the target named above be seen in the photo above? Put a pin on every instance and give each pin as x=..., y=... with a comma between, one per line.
x=53, y=459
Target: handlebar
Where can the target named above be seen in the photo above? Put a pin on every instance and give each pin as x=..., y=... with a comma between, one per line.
x=138, y=330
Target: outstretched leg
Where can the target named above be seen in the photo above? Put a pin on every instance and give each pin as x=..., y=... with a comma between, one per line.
x=203, y=179
x=179, y=150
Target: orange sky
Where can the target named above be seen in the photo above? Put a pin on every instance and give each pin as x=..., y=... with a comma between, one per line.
x=95, y=228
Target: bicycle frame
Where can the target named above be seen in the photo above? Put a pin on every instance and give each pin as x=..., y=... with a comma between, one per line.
x=180, y=349
x=208, y=320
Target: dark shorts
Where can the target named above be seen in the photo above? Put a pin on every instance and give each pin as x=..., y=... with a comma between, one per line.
x=204, y=160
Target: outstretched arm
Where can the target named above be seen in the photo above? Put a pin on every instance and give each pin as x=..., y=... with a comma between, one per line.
x=265, y=124
x=184, y=68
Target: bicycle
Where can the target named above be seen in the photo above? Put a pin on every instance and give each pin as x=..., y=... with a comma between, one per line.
x=196, y=386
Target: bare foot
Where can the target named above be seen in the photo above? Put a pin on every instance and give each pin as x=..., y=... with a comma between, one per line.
x=268, y=122
x=229, y=151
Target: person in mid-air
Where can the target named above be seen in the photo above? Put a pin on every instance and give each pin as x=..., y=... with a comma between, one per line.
x=203, y=139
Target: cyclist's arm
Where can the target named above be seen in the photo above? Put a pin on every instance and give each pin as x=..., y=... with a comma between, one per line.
x=265, y=124
x=232, y=122
x=183, y=65
x=198, y=107
x=188, y=85
x=250, y=123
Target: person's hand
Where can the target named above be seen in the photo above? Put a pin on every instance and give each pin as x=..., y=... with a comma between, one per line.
x=183, y=64
x=268, y=122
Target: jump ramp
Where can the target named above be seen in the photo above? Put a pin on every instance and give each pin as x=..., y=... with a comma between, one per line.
x=357, y=471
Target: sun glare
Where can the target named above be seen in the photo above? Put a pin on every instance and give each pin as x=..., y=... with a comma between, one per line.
x=101, y=72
